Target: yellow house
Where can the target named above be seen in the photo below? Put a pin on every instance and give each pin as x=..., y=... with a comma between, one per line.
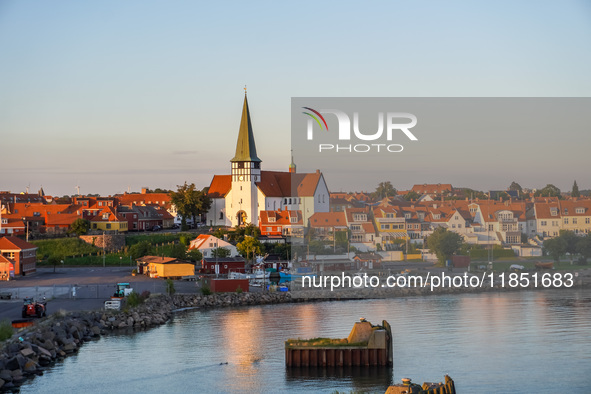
x=109, y=220
x=390, y=223
x=165, y=267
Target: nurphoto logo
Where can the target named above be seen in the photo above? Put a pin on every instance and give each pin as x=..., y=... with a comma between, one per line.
x=396, y=124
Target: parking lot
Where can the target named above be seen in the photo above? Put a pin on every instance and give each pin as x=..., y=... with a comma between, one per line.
x=73, y=289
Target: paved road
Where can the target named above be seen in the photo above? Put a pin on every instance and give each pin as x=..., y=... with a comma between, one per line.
x=73, y=289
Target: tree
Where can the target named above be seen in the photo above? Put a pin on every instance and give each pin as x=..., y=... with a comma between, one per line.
x=444, y=244
x=575, y=192
x=220, y=252
x=555, y=247
x=178, y=251
x=79, y=227
x=140, y=249
x=571, y=240
x=515, y=187
x=194, y=255
x=548, y=191
x=189, y=202
x=384, y=189
x=584, y=247
x=251, y=246
x=412, y=195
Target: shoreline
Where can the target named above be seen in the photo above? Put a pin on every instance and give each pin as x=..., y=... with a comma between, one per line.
x=32, y=350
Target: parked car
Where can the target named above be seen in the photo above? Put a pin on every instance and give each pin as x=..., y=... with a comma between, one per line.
x=156, y=228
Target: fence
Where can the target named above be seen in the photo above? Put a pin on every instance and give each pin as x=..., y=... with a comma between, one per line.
x=74, y=291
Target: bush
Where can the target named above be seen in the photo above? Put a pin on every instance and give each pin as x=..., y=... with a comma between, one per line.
x=170, y=290
x=239, y=290
x=6, y=330
x=145, y=295
x=206, y=290
x=134, y=299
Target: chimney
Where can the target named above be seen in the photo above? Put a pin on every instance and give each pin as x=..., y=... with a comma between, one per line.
x=144, y=190
x=318, y=171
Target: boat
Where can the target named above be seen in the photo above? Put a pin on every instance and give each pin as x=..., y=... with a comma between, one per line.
x=547, y=266
x=408, y=387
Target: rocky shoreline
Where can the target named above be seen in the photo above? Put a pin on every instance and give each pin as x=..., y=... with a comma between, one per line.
x=34, y=349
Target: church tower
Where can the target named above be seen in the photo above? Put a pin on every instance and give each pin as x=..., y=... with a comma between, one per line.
x=246, y=172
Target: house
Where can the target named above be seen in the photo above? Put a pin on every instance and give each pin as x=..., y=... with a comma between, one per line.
x=277, y=224
x=6, y=269
x=20, y=253
x=206, y=244
x=325, y=225
x=108, y=220
x=11, y=226
x=433, y=189
x=368, y=260
x=238, y=198
x=391, y=224
x=223, y=266
x=360, y=225
x=164, y=267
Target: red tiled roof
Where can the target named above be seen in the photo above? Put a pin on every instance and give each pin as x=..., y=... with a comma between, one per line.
x=8, y=243
x=328, y=219
x=220, y=186
x=281, y=218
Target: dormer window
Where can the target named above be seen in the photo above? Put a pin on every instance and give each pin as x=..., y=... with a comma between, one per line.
x=554, y=211
x=105, y=216
x=272, y=220
x=437, y=216
x=580, y=210
x=293, y=219
x=566, y=211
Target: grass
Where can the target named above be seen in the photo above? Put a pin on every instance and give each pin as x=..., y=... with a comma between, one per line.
x=6, y=330
x=63, y=247
x=157, y=238
x=322, y=342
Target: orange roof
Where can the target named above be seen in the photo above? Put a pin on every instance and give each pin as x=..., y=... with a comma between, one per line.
x=161, y=199
x=11, y=243
x=328, y=219
x=281, y=218
x=272, y=184
x=112, y=216
x=220, y=186
x=62, y=218
x=431, y=188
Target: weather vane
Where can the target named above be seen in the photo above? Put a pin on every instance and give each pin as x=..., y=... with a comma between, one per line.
x=244, y=89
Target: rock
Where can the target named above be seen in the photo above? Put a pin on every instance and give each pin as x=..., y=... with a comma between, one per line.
x=27, y=352
x=1, y=383
x=30, y=366
x=96, y=331
x=70, y=347
x=6, y=375
x=43, y=352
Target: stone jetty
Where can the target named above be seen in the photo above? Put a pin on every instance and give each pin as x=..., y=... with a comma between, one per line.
x=33, y=349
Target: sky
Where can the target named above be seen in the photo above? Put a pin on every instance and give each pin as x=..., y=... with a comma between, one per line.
x=114, y=96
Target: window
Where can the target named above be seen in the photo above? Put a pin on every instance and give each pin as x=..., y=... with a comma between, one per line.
x=574, y=220
x=580, y=210
x=269, y=229
x=566, y=211
x=453, y=226
x=459, y=226
x=565, y=220
x=389, y=215
x=407, y=215
x=290, y=200
x=587, y=221
x=221, y=215
x=272, y=219
x=108, y=225
x=293, y=219
x=543, y=223
x=385, y=227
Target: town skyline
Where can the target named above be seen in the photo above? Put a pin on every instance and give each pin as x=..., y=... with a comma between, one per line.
x=154, y=99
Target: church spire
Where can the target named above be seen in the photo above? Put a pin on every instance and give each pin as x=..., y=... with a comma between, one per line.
x=245, y=147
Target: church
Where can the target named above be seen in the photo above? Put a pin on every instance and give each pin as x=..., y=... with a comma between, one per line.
x=238, y=199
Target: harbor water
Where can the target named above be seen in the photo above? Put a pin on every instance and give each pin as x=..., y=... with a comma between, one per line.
x=507, y=342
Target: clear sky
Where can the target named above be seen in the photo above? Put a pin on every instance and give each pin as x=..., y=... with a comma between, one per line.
x=115, y=94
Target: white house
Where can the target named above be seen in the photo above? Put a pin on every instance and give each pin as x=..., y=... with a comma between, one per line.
x=207, y=243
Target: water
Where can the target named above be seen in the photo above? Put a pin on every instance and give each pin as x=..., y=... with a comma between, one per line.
x=535, y=341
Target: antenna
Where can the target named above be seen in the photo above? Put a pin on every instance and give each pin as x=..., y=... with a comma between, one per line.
x=77, y=189
x=29, y=185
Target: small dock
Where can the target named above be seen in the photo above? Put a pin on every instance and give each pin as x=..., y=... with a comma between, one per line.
x=367, y=345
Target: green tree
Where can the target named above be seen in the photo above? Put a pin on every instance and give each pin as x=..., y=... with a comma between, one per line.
x=194, y=255
x=515, y=187
x=548, y=191
x=444, y=244
x=140, y=249
x=555, y=247
x=384, y=189
x=189, y=202
x=584, y=247
x=575, y=192
x=178, y=251
x=79, y=227
x=250, y=247
x=220, y=252
x=412, y=195
x=571, y=241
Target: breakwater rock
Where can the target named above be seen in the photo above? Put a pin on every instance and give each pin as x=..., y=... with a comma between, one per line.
x=30, y=351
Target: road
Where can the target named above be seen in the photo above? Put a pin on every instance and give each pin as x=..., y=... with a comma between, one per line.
x=75, y=289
